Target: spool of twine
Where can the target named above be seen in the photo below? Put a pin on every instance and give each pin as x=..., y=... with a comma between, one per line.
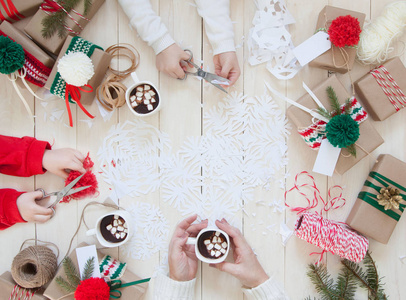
x=34, y=267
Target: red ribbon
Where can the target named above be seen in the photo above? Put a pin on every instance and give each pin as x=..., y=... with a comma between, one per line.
x=50, y=6
x=11, y=11
x=74, y=92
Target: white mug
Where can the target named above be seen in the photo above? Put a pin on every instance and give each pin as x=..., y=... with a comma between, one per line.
x=195, y=241
x=137, y=83
x=97, y=231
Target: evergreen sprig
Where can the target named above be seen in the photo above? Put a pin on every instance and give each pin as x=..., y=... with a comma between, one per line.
x=89, y=268
x=335, y=104
x=72, y=275
x=350, y=276
x=56, y=22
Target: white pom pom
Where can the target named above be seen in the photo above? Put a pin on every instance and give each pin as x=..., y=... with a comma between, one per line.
x=76, y=68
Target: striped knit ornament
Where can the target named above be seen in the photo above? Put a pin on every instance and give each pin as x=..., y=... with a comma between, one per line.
x=111, y=268
x=331, y=236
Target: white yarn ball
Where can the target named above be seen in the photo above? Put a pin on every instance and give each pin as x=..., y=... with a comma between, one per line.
x=76, y=68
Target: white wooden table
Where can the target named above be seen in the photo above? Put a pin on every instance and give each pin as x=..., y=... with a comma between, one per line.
x=181, y=117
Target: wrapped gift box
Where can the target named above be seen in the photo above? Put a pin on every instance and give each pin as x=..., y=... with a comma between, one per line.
x=369, y=138
x=7, y=285
x=333, y=60
x=367, y=215
x=373, y=96
x=101, y=61
x=55, y=43
x=14, y=10
x=54, y=291
x=28, y=45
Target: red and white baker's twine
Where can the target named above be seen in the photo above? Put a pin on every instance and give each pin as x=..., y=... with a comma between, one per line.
x=389, y=87
x=19, y=293
x=335, y=237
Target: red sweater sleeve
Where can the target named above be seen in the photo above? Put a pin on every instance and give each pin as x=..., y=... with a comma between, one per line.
x=9, y=214
x=21, y=156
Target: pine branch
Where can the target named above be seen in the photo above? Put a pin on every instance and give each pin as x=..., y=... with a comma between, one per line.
x=346, y=285
x=352, y=150
x=64, y=284
x=322, y=281
x=347, y=107
x=88, y=5
x=70, y=271
x=324, y=113
x=335, y=104
x=89, y=268
x=373, y=277
x=359, y=274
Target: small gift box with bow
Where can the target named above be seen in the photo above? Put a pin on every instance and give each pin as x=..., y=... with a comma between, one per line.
x=56, y=19
x=383, y=90
x=381, y=201
x=313, y=131
x=79, y=70
x=343, y=27
x=10, y=290
x=15, y=10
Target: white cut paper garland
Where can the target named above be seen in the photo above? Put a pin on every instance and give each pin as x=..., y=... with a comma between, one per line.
x=270, y=41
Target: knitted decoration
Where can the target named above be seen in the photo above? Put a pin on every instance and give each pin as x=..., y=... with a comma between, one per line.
x=11, y=55
x=342, y=131
x=88, y=179
x=76, y=68
x=92, y=289
x=111, y=268
x=344, y=31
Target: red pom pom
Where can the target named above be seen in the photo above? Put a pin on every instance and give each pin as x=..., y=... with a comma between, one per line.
x=344, y=31
x=88, y=179
x=92, y=289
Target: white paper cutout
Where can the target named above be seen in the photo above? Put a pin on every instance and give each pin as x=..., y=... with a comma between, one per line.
x=285, y=233
x=270, y=41
x=151, y=231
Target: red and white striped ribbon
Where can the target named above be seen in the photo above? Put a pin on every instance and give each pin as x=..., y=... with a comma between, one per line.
x=19, y=293
x=389, y=86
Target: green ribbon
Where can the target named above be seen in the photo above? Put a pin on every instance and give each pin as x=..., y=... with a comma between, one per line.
x=117, y=284
x=371, y=199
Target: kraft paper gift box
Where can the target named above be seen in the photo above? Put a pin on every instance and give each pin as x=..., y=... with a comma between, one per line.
x=373, y=97
x=369, y=138
x=333, y=59
x=101, y=61
x=54, y=291
x=369, y=217
x=7, y=285
x=15, y=10
x=54, y=44
x=28, y=45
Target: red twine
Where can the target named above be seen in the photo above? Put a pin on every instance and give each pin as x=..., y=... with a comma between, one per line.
x=344, y=31
x=88, y=179
x=74, y=92
x=92, y=289
x=24, y=295
x=10, y=10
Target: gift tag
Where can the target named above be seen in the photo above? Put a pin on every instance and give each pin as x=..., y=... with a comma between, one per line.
x=83, y=254
x=326, y=159
x=312, y=47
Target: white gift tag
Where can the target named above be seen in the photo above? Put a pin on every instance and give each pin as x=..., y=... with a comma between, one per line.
x=83, y=254
x=326, y=159
x=312, y=47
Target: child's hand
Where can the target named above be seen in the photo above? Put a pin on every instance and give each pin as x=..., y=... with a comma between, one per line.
x=60, y=161
x=30, y=211
x=226, y=65
x=168, y=61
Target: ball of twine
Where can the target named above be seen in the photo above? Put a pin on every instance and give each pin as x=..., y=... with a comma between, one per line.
x=34, y=266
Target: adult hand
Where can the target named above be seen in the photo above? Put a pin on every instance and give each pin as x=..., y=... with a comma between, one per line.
x=30, y=211
x=246, y=266
x=226, y=65
x=60, y=161
x=182, y=258
x=169, y=61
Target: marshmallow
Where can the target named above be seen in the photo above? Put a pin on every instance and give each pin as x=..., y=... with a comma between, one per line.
x=150, y=107
x=153, y=100
x=147, y=96
x=152, y=93
x=134, y=104
x=222, y=251
x=212, y=253
x=119, y=222
x=126, y=230
x=120, y=228
x=116, y=217
x=146, y=102
x=217, y=233
x=125, y=225
x=115, y=223
x=139, y=94
x=140, y=89
x=117, y=235
x=206, y=242
x=210, y=246
x=218, y=253
x=113, y=230
x=147, y=87
x=132, y=98
x=122, y=235
x=217, y=246
x=214, y=239
x=224, y=245
x=109, y=227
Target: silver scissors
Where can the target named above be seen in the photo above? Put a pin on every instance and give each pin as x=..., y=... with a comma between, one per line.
x=209, y=77
x=66, y=191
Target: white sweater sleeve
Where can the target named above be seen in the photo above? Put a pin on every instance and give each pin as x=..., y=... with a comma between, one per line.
x=147, y=23
x=269, y=290
x=217, y=21
x=169, y=289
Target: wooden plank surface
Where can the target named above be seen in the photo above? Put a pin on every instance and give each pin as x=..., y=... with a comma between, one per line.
x=184, y=103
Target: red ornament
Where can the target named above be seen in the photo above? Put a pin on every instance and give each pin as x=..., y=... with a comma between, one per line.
x=344, y=31
x=88, y=179
x=92, y=289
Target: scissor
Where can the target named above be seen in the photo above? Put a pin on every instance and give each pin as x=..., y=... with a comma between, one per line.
x=209, y=77
x=66, y=191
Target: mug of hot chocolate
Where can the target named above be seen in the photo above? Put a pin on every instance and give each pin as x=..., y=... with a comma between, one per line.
x=142, y=97
x=112, y=229
x=211, y=245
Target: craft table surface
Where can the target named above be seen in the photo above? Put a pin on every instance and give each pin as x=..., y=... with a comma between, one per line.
x=181, y=117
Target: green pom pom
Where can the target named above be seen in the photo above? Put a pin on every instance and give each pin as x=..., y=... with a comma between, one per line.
x=342, y=131
x=12, y=55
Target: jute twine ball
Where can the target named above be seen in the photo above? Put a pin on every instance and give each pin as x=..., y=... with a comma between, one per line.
x=34, y=266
